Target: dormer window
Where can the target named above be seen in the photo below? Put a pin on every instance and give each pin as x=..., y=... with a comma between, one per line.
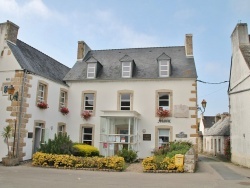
x=91, y=70
x=164, y=65
x=164, y=68
x=93, y=67
x=126, y=69
x=128, y=65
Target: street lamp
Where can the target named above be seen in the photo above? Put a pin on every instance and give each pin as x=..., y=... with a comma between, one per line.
x=13, y=96
x=203, y=104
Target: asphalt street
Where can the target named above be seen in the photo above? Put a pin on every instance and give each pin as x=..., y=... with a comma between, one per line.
x=210, y=173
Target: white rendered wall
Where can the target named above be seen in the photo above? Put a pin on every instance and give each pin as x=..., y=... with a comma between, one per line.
x=143, y=102
x=52, y=116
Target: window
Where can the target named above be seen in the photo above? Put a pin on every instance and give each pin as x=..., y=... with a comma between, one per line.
x=163, y=100
x=42, y=91
x=61, y=129
x=126, y=69
x=164, y=68
x=91, y=70
x=89, y=101
x=125, y=99
x=219, y=145
x=63, y=98
x=87, y=135
x=163, y=137
x=211, y=143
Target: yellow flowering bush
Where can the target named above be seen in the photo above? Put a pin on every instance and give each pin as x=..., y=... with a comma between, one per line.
x=70, y=161
x=85, y=150
x=149, y=163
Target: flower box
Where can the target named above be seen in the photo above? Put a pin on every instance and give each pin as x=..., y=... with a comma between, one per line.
x=42, y=105
x=161, y=113
x=64, y=110
x=86, y=114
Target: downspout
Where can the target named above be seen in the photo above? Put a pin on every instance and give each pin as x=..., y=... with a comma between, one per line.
x=20, y=113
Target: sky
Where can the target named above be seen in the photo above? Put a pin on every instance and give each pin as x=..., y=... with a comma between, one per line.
x=54, y=27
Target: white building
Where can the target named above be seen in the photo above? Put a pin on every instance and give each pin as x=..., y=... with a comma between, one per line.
x=214, y=137
x=121, y=88
x=36, y=77
x=239, y=95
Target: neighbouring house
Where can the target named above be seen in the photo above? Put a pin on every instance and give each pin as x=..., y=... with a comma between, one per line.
x=135, y=98
x=214, y=138
x=205, y=123
x=239, y=95
x=38, y=79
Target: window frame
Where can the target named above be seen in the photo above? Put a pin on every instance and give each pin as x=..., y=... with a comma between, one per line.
x=83, y=107
x=119, y=101
x=63, y=126
x=65, y=98
x=162, y=65
x=87, y=126
x=91, y=69
x=157, y=136
x=42, y=98
x=124, y=66
x=170, y=100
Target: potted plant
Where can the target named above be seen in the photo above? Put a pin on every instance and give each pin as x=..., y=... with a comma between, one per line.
x=10, y=160
x=64, y=110
x=42, y=105
x=161, y=113
x=86, y=114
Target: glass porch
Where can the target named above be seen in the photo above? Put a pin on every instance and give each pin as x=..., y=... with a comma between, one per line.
x=119, y=130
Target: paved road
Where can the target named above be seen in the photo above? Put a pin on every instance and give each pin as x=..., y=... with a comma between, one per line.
x=210, y=173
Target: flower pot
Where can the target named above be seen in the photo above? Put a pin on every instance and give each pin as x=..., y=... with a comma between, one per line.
x=8, y=161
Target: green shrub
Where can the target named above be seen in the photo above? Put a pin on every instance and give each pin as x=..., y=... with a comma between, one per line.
x=128, y=155
x=85, y=150
x=60, y=145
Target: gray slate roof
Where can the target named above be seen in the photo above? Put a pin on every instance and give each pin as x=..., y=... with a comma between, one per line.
x=245, y=50
x=220, y=128
x=37, y=62
x=145, y=59
x=208, y=121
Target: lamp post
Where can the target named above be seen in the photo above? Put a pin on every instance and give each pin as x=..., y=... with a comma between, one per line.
x=204, y=105
x=13, y=96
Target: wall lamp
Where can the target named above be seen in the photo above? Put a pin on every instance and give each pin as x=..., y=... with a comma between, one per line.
x=203, y=104
x=13, y=96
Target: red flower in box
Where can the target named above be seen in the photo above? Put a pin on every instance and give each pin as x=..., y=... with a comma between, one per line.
x=64, y=110
x=86, y=114
x=162, y=113
x=42, y=105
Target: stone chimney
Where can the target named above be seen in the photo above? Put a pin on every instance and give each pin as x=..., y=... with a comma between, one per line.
x=82, y=50
x=239, y=36
x=217, y=117
x=189, y=45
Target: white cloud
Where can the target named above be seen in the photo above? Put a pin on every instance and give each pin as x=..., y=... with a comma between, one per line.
x=107, y=26
x=29, y=8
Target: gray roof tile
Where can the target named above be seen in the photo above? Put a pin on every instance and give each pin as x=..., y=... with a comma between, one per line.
x=220, y=128
x=37, y=62
x=144, y=58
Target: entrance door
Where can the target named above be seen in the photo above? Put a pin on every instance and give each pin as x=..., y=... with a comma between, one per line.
x=39, y=136
x=122, y=132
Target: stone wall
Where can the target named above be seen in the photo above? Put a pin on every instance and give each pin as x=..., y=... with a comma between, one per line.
x=190, y=161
